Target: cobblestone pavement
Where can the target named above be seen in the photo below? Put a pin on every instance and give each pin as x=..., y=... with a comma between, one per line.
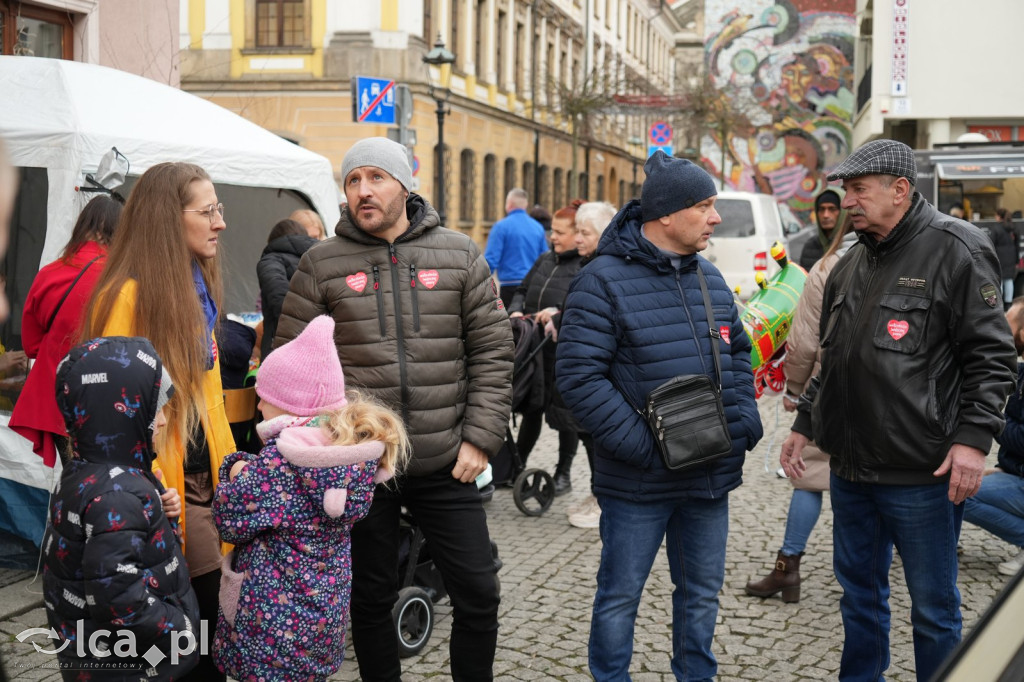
x=548, y=582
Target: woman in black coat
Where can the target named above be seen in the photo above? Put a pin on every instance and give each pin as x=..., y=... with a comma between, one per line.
x=287, y=242
x=540, y=296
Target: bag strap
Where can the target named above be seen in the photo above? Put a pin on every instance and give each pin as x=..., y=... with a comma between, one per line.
x=712, y=329
x=53, y=316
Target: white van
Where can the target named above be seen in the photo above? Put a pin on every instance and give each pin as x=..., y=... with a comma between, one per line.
x=740, y=247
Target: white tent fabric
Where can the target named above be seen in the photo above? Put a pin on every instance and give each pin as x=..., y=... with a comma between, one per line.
x=65, y=115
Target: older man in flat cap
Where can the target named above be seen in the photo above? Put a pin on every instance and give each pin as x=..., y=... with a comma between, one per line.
x=917, y=361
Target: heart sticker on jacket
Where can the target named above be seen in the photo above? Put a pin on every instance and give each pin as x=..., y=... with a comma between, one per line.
x=428, y=278
x=357, y=281
x=898, y=329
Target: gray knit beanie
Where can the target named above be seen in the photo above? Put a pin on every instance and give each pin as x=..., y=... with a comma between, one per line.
x=379, y=152
x=672, y=184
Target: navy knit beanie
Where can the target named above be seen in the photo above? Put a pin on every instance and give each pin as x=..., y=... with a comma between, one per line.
x=672, y=184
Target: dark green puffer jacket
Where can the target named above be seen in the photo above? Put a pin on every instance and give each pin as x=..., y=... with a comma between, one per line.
x=419, y=326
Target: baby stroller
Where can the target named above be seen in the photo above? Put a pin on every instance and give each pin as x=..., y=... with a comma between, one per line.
x=421, y=588
x=533, y=490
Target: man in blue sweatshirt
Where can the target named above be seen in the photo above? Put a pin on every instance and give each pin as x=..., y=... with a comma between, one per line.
x=514, y=244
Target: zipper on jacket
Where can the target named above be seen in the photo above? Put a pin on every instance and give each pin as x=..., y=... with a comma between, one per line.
x=415, y=298
x=551, y=276
x=396, y=283
x=844, y=376
x=380, y=301
x=693, y=326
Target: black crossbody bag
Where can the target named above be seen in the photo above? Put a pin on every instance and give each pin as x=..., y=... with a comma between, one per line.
x=685, y=413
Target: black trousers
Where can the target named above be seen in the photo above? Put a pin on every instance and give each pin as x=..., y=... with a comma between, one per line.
x=454, y=523
x=529, y=431
x=207, y=589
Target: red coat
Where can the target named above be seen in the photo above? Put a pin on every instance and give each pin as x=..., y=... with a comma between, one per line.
x=35, y=414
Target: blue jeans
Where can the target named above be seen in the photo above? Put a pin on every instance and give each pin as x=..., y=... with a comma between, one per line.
x=631, y=534
x=804, y=510
x=999, y=507
x=924, y=526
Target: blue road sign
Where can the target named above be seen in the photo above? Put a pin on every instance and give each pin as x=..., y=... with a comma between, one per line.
x=651, y=148
x=375, y=100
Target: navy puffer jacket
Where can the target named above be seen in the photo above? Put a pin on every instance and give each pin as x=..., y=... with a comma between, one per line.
x=112, y=562
x=632, y=321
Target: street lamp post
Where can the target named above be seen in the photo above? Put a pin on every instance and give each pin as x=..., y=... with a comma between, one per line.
x=439, y=57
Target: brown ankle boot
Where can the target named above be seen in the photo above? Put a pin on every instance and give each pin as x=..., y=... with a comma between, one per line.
x=785, y=578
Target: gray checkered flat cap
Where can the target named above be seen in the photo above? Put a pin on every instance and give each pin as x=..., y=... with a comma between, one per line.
x=878, y=157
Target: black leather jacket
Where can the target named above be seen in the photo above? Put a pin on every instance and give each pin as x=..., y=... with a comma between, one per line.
x=916, y=352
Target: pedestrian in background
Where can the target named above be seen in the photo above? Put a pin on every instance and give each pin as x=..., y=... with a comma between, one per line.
x=289, y=512
x=420, y=328
x=828, y=216
x=542, y=216
x=1004, y=239
x=591, y=221
x=636, y=317
x=540, y=297
x=999, y=505
x=514, y=244
x=311, y=223
x=51, y=324
x=916, y=364
x=162, y=281
x=286, y=243
x=112, y=562
x=802, y=363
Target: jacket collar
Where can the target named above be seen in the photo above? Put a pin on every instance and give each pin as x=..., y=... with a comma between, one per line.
x=623, y=239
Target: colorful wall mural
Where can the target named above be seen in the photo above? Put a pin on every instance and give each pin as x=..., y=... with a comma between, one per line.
x=785, y=67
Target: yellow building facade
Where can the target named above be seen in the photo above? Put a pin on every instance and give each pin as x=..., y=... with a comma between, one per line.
x=519, y=67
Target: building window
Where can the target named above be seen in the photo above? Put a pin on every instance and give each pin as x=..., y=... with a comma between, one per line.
x=490, y=188
x=557, y=189
x=584, y=190
x=31, y=31
x=510, y=176
x=467, y=183
x=520, y=57
x=569, y=178
x=281, y=23
x=600, y=188
x=622, y=198
x=544, y=197
x=428, y=23
x=480, y=42
x=528, y=180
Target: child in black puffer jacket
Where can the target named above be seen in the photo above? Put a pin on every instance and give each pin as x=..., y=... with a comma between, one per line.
x=115, y=582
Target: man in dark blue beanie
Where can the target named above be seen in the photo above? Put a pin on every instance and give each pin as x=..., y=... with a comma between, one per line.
x=635, y=317
x=829, y=215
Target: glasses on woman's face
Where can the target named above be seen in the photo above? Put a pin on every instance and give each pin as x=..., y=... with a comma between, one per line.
x=210, y=212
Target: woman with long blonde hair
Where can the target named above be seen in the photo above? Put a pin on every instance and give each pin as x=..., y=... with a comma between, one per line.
x=162, y=281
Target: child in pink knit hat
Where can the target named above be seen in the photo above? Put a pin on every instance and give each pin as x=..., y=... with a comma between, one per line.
x=289, y=510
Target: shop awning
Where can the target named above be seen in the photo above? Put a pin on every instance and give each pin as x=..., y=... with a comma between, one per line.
x=979, y=167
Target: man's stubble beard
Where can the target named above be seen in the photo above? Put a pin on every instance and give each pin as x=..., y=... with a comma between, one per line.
x=391, y=213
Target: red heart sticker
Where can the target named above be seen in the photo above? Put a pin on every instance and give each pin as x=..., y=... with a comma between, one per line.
x=724, y=331
x=428, y=278
x=898, y=329
x=357, y=281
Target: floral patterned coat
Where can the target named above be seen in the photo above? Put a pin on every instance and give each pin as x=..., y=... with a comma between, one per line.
x=285, y=589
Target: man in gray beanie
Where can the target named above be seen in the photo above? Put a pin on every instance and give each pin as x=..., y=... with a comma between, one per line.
x=916, y=362
x=635, y=317
x=419, y=327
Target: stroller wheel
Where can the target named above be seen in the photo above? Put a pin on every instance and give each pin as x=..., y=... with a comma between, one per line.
x=534, y=492
x=413, y=615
